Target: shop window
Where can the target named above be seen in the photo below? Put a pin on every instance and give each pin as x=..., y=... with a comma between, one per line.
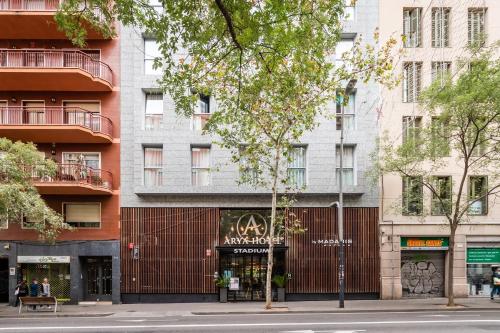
x=153, y=166
x=412, y=27
x=349, y=112
x=200, y=166
x=151, y=52
x=297, y=167
x=82, y=215
x=412, y=81
x=441, y=200
x=412, y=196
x=440, y=27
x=478, y=195
x=347, y=165
x=201, y=113
x=476, y=26
x=154, y=111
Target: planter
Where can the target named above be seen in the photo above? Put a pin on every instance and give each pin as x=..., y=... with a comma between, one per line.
x=223, y=295
x=281, y=294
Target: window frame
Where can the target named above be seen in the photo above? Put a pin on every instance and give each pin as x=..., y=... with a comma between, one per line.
x=199, y=119
x=408, y=18
x=354, y=164
x=440, y=36
x=150, y=58
x=411, y=95
x=473, y=36
x=146, y=114
x=196, y=168
x=159, y=169
x=300, y=168
x=64, y=203
x=351, y=115
x=484, y=200
x=439, y=210
x=406, y=202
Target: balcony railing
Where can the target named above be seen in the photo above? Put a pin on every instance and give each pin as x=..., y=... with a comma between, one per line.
x=58, y=115
x=34, y=5
x=78, y=174
x=32, y=58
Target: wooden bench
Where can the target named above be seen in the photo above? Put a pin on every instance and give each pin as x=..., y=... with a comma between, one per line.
x=44, y=300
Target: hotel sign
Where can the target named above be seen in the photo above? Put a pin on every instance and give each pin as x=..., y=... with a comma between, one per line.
x=424, y=243
x=247, y=228
x=43, y=259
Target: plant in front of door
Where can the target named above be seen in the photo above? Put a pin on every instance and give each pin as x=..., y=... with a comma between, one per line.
x=222, y=282
x=19, y=199
x=461, y=117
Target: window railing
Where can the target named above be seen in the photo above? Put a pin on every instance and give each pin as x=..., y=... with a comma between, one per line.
x=57, y=115
x=33, y=58
x=77, y=174
x=35, y=5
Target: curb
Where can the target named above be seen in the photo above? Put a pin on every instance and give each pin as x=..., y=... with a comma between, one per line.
x=59, y=315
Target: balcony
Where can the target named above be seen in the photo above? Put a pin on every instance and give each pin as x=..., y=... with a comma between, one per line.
x=52, y=70
x=54, y=124
x=75, y=179
x=33, y=19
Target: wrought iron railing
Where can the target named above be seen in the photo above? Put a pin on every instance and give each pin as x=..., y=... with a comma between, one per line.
x=36, y=58
x=77, y=174
x=56, y=115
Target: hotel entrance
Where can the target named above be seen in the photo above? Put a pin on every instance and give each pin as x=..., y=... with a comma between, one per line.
x=247, y=272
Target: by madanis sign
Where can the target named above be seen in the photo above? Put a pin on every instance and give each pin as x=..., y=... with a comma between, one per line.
x=247, y=228
x=331, y=242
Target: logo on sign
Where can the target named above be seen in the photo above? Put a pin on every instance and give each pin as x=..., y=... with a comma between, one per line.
x=251, y=225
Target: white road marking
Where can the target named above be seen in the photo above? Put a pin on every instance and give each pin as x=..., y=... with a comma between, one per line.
x=235, y=325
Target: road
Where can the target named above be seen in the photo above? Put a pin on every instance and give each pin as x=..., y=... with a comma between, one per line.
x=407, y=322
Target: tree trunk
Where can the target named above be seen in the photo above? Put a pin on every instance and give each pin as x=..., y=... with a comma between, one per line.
x=270, y=254
x=451, y=256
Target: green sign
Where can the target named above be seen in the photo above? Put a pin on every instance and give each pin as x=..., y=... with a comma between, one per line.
x=424, y=243
x=484, y=255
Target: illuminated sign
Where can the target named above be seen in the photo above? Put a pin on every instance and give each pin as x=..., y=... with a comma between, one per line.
x=424, y=243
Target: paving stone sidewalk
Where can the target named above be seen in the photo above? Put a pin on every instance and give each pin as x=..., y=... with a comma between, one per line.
x=189, y=309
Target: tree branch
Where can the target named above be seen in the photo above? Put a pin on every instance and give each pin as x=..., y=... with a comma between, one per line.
x=229, y=22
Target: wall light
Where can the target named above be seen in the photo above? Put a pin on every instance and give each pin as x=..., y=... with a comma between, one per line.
x=53, y=99
x=13, y=100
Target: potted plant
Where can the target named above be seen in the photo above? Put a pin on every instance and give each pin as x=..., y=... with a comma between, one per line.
x=280, y=281
x=222, y=282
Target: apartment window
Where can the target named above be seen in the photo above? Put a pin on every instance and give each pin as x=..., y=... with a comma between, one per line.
x=441, y=200
x=29, y=222
x=478, y=199
x=154, y=111
x=440, y=138
x=476, y=26
x=411, y=130
x=412, y=196
x=347, y=165
x=201, y=113
x=342, y=47
x=157, y=6
x=412, y=81
x=476, y=138
x=349, y=10
x=82, y=215
x=248, y=174
x=153, y=165
x=151, y=52
x=4, y=222
x=349, y=111
x=83, y=113
x=297, y=167
x=440, y=70
x=91, y=160
x=4, y=113
x=440, y=27
x=412, y=27
x=200, y=166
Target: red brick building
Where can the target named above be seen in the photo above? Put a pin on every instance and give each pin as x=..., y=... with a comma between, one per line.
x=67, y=101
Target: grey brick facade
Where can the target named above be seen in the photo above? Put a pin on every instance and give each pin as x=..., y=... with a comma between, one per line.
x=176, y=138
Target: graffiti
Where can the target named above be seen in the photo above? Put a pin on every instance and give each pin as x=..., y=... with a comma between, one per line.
x=421, y=278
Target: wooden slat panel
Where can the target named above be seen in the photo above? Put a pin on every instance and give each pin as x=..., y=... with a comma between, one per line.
x=172, y=244
x=314, y=267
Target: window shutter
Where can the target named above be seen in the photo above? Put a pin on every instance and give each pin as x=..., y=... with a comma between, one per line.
x=406, y=26
x=82, y=213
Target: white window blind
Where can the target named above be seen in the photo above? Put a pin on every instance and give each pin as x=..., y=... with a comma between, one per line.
x=297, y=167
x=200, y=166
x=154, y=111
x=84, y=215
x=153, y=165
x=440, y=27
x=348, y=165
x=34, y=112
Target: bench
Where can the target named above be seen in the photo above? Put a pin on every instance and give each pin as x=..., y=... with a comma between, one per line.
x=44, y=300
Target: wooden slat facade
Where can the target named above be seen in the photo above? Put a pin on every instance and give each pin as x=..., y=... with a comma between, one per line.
x=173, y=243
x=314, y=266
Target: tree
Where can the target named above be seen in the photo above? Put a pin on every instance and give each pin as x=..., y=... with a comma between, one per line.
x=18, y=197
x=461, y=124
x=268, y=64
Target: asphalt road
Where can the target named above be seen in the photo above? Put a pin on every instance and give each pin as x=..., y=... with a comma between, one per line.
x=406, y=322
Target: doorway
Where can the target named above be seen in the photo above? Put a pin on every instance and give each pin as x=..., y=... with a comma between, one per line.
x=250, y=271
x=97, y=278
x=422, y=273
x=4, y=280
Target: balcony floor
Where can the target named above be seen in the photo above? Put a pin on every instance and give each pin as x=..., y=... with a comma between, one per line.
x=62, y=188
x=50, y=79
x=53, y=133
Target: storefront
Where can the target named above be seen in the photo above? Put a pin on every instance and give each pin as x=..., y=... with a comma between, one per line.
x=482, y=260
x=423, y=266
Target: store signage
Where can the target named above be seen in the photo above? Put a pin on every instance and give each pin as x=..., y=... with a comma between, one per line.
x=331, y=242
x=234, y=283
x=43, y=259
x=483, y=255
x=424, y=243
x=250, y=250
x=243, y=227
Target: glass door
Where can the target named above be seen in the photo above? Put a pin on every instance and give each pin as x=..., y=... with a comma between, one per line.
x=98, y=278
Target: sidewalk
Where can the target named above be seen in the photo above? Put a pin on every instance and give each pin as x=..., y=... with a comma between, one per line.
x=189, y=309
